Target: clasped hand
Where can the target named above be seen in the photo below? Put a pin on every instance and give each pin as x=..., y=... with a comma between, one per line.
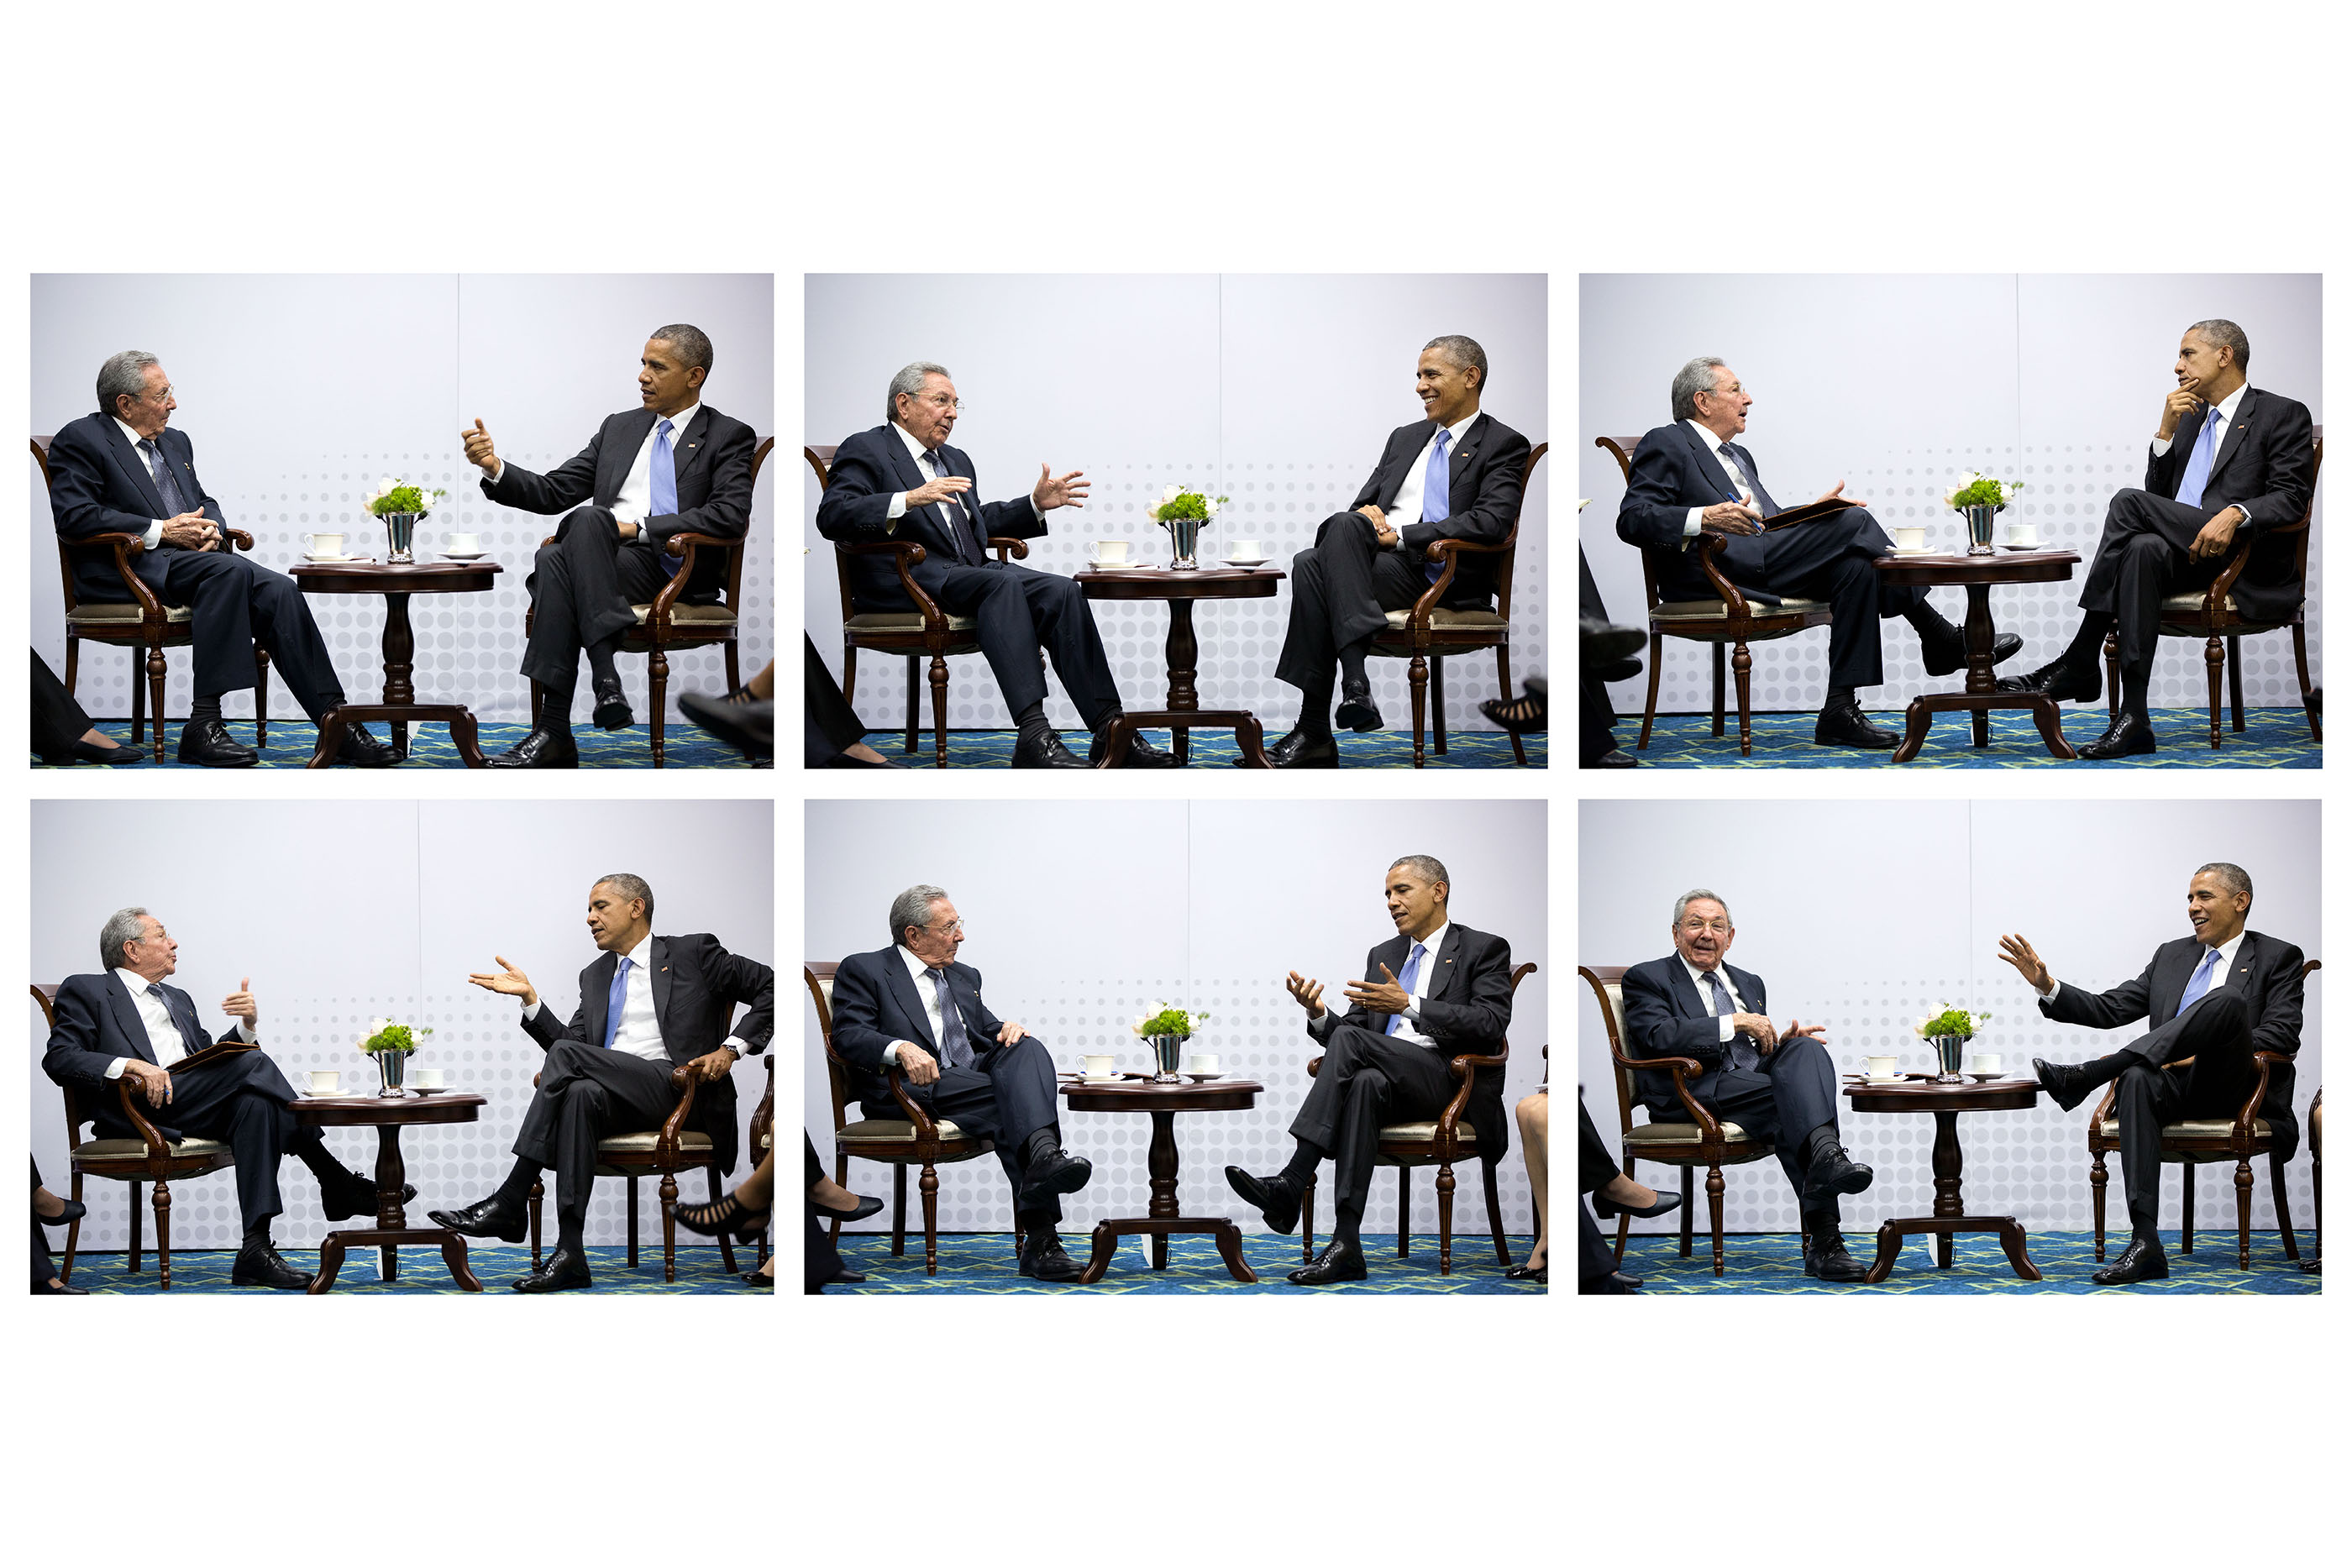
x=191, y=530
x=1382, y=534
x=1391, y=998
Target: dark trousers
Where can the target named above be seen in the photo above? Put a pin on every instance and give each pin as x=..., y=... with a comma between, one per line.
x=820, y=1259
x=57, y=720
x=244, y=1101
x=2218, y=1031
x=1829, y=559
x=582, y=587
x=2143, y=557
x=1790, y=1093
x=44, y=1269
x=1019, y=611
x=1341, y=589
x=1007, y=1094
x=833, y=725
x=1595, y=1169
x=234, y=604
x=1367, y=1080
x=587, y=1092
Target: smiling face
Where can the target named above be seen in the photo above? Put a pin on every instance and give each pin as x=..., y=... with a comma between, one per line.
x=1704, y=933
x=616, y=922
x=666, y=383
x=2208, y=369
x=936, y=942
x=1725, y=410
x=927, y=415
x=150, y=411
x=155, y=955
x=1448, y=391
x=2215, y=914
x=1416, y=904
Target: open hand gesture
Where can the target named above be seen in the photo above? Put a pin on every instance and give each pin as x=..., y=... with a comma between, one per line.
x=1069, y=490
x=478, y=450
x=1309, y=993
x=239, y=1003
x=1837, y=491
x=1391, y=998
x=2019, y=955
x=512, y=982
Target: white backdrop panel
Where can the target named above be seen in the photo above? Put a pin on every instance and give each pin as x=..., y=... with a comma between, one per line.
x=1897, y=385
x=395, y=364
x=328, y=949
x=1274, y=390
x=1867, y=944
x=1073, y=946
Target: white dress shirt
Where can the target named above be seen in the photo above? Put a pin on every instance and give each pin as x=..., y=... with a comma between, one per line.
x=920, y=973
x=1734, y=479
x=1406, y=509
x=635, y=503
x=162, y=1034
x=930, y=470
x=2229, y=410
x=153, y=537
x=1434, y=942
x=2222, y=971
x=1739, y=1003
x=640, y=1033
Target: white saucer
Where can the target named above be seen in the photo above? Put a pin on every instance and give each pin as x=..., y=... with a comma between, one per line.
x=1112, y=1079
x=1898, y=1078
x=1988, y=1077
x=334, y=560
x=478, y=555
x=2023, y=548
x=1204, y=1077
x=1093, y=565
x=1246, y=565
x=325, y=1093
x=1907, y=552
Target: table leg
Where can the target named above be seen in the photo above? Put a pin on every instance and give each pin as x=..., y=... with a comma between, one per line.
x=1183, y=672
x=1916, y=720
x=1229, y=1247
x=1890, y=1247
x=399, y=665
x=1106, y=1249
x=1944, y=1159
x=453, y=1253
x=331, y=1260
x=1976, y=634
x=1159, y=1160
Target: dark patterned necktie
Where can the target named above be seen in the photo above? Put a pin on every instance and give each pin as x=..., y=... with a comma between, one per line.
x=1743, y=1054
x=160, y=471
x=188, y=1041
x=959, y=519
x=955, y=1051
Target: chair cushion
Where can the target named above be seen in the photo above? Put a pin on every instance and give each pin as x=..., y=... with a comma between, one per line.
x=689, y=614
x=643, y=1143
x=1422, y=1131
x=1681, y=1132
x=879, y=1132
x=1715, y=609
x=909, y=620
x=136, y=1149
x=118, y=614
x=2215, y=1127
x=1464, y=620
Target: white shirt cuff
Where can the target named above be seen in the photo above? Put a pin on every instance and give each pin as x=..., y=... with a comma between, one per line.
x=153, y=537
x=533, y=1010
x=2160, y=446
x=898, y=507
x=1723, y=1030
x=1034, y=510
x=245, y=1031
x=1690, y=523
x=890, y=1053
x=2053, y=990
x=737, y=1046
x=499, y=471
x=114, y=1069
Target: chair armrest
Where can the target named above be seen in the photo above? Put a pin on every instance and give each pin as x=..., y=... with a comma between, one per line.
x=904, y=554
x=2242, y=550
x=2264, y=1061
x=685, y=572
x=1465, y=1068
x=925, y=1128
x=1446, y=551
x=1009, y=550
x=238, y=537
x=123, y=545
x=684, y=1079
x=156, y=1147
x=1683, y=1068
x=1710, y=546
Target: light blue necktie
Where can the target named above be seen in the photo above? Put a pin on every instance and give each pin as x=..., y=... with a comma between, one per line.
x=1436, y=500
x=2201, y=464
x=160, y=470
x=664, y=476
x=1412, y=959
x=614, y=1000
x=2198, y=983
x=955, y=1048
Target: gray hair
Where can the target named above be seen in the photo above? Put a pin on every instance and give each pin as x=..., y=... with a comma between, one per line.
x=2232, y=877
x=1463, y=351
x=912, y=907
x=2224, y=334
x=1695, y=376
x=1685, y=902
x=628, y=886
x=692, y=346
x=1428, y=868
x=123, y=373
x=122, y=925
x=907, y=383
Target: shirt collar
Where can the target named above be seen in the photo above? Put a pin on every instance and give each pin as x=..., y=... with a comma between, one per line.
x=2228, y=405
x=1434, y=941
x=2228, y=951
x=918, y=970
x=631, y=953
x=680, y=420
x=1698, y=977
x=1713, y=443
x=1455, y=432
x=133, y=437
x=915, y=449
x=137, y=983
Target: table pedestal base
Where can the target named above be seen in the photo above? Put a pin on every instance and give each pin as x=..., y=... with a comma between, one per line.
x=1106, y=1235
x=1891, y=1235
x=452, y=1245
x=399, y=716
x=1923, y=711
x=1248, y=734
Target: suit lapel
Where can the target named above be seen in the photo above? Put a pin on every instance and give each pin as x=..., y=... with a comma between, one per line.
x=126, y=1011
x=658, y=961
x=1441, y=971
x=1465, y=452
x=687, y=450
x=597, y=1002
x=614, y=462
x=127, y=458
x=2232, y=436
x=910, y=1001
x=2180, y=960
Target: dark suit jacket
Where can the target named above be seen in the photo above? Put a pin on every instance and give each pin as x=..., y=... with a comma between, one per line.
x=697, y=984
x=876, y=1004
x=96, y=1023
x=712, y=456
x=2267, y=972
x=1468, y=1011
x=1665, y=1016
x=98, y=484
x=871, y=467
x=1485, y=480
x=2263, y=464
x=1673, y=471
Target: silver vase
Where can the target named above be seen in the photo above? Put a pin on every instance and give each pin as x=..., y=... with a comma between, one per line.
x=1167, y=1055
x=392, y=1069
x=1185, y=533
x=402, y=528
x=1980, y=528
x=1951, y=1055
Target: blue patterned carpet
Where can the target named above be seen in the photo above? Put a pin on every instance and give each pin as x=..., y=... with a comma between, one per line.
x=1771, y=1264
x=2273, y=737
x=292, y=740
x=1215, y=749
x=700, y=1272
x=986, y=1264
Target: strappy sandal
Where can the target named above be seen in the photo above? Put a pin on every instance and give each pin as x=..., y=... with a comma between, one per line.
x=729, y=1215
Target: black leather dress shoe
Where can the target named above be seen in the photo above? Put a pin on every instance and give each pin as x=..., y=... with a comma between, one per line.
x=847, y=1277
x=2128, y=735
x=1270, y=1195
x=1835, y=1171
x=488, y=1218
x=539, y=749
x=1042, y=1258
x=358, y=748
x=1059, y=1172
x=1944, y=654
x=66, y=1216
x=1300, y=749
x=748, y=726
x=206, y=743
x=357, y=1198
x=2068, y=1085
x=258, y=1263
x=1843, y=723
x=2143, y=1260
x=1538, y=1275
x=611, y=706
x=1667, y=1203
x=1335, y=1265
x=1609, y=1285
x=1357, y=711
x=842, y=760
x=2056, y=679
x=1613, y=758
x=115, y=756
x=564, y=1270
x=1048, y=752
x=53, y=1288
x=1827, y=1259
x=1141, y=753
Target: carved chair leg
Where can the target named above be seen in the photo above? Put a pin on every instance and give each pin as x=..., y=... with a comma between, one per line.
x=1648, y=709
x=931, y=1190
x=1624, y=1220
x=2214, y=658
x=138, y=1231
x=657, y=678
x=1444, y=1217
x=1419, y=673
x=726, y=1240
x=914, y=703
x=2098, y=1206
x=1503, y=669
x=2115, y=676
x=849, y=672
x=897, y=1211
x=1306, y=1222
x=260, y=698
x=1742, y=662
x=1404, y=1211
x=156, y=669
x=1715, y=1213
x=1717, y=648
x=940, y=711
x=1437, y=704
x=162, y=1201
x=2187, y=1207
x=668, y=1194
x=2237, y=687
x=73, y=1231
x=734, y=670
x=1686, y=1211
x=2245, y=1212
x=1495, y=1217
x=632, y=1222
x=73, y=661
x=2301, y=679
x=138, y=705
x=538, y=1196
x=2278, y=1207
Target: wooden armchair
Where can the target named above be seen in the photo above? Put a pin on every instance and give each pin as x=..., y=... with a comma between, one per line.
x=2212, y=612
x=665, y=624
x=1441, y=1143
x=1428, y=631
x=916, y=1139
x=926, y=629
x=663, y=1153
x=1728, y=619
x=145, y=621
x=1701, y=1140
x=2210, y=1140
x=149, y=1157
x=763, y=1144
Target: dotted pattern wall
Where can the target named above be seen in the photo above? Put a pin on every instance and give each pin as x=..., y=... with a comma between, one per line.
x=469, y=646
x=2033, y=1164
x=2065, y=498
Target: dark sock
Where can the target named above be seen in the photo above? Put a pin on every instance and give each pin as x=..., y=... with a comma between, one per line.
x=1345, y=1226
x=1103, y=721
x=1039, y=1145
x=555, y=703
x=257, y=1233
x=2135, y=691
x=203, y=708
x=569, y=1231
x=330, y=1172
x=1822, y=1222
x=1301, y=1168
x=1036, y=1225
x=2108, y=1068
x=2144, y=1229
x=1031, y=722
x=2088, y=648
x=515, y=1191
x=600, y=659
x=1351, y=661
x=1925, y=621
x=1315, y=708
x=1823, y=1140
x=1838, y=695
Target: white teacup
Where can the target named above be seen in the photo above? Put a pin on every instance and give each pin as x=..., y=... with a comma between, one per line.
x=1201, y=1063
x=326, y=1083
x=1909, y=539
x=462, y=544
x=1245, y=549
x=326, y=547
x=1098, y=1066
x=1112, y=552
x=426, y=1078
x=1879, y=1066
x=1984, y=1062
x=2024, y=534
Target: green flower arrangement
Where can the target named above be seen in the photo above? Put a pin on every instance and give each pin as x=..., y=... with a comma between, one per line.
x=391, y=497
x=1973, y=490
x=1177, y=503
x=1951, y=1021
x=1168, y=1020
x=386, y=1035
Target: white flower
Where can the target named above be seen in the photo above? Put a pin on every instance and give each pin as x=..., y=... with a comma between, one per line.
x=1212, y=504
x=1170, y=493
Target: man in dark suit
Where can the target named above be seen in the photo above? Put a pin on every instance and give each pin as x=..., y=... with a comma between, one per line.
x=901, y=480
x=1690, y=478
x=1433, y=991
x=2220, y=995
x=672, y=466
x=1454, y=474
x=1778, y=1084
x=124, y=471
x=125, y=1025
x=650, y=1006
x=912, y=1007
x=2243, y=465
